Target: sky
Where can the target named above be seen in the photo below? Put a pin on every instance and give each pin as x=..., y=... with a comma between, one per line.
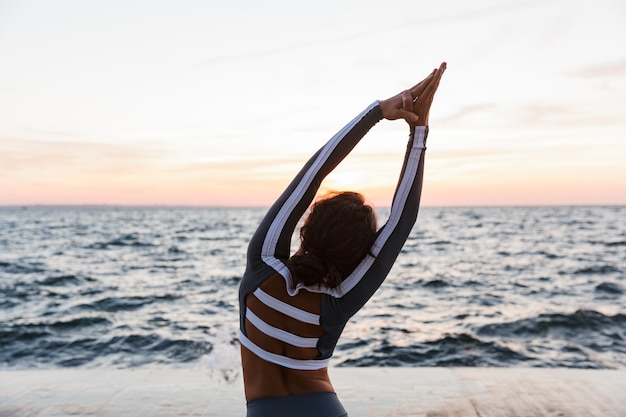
x=220, y=103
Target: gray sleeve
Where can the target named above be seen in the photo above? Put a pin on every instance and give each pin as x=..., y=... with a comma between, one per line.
x=370, y=274
x=268, y=250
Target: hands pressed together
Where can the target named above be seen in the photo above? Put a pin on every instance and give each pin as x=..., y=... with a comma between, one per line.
x=413, y=105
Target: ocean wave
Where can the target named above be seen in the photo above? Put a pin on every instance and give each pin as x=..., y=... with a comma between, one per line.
x=127, y=240
x=18, y=268
x=435, y=283
x=129, y=303
x=121, y=350
x=556, y=325
x=63, y=280
x=29, y=332
x=450, y=350
x=609, y=288
x=611, y=244
x=175, y=250
x=583, y=339
x=549, y=255
x=78, y=340
x=597, y=269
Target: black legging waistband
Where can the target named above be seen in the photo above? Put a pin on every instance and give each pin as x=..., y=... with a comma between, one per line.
x=315, y=404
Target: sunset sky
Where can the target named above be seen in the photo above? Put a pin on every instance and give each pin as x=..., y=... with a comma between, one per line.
x=220, y=103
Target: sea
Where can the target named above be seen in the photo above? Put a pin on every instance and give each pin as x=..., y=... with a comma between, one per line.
x=126, y=287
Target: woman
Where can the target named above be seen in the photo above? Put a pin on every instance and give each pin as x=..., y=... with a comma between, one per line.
x=294, y=308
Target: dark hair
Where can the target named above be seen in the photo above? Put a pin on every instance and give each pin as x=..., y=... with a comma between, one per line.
x=336, y=235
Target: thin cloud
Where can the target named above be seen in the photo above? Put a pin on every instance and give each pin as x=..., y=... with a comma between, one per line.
x=483, y=12
x=559, y=115
x=57, y=133
x=468, y=111
x=468, y=14
x=68, y=156
x=542, y=113
x=606, y=70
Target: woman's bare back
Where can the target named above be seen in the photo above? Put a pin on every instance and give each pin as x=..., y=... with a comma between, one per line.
x=265, y=379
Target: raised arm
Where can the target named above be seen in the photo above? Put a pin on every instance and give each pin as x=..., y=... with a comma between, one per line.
x=269, y=248
x=270, y=245
x=413, y=105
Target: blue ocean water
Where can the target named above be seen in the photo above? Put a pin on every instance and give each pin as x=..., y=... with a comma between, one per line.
x=127, y=287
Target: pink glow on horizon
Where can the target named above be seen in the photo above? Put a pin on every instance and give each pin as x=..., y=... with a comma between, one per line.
x=234, y=193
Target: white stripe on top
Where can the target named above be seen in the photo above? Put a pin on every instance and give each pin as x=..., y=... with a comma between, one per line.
x=301, y=364
x=280, y=334
x=286, y=309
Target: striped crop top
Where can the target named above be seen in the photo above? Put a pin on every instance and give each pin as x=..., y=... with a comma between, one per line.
x=269, y=250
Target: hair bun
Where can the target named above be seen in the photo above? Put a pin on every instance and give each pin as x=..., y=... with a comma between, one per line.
x=308, y=268
x=311, y=268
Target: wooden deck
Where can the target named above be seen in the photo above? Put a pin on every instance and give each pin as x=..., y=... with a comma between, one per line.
x=380, y=392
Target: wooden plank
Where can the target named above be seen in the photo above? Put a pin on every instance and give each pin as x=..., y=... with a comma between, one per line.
x=365, y=392
x=545, y=392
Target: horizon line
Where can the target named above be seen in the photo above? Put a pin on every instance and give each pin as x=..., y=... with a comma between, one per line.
x=201, y=206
